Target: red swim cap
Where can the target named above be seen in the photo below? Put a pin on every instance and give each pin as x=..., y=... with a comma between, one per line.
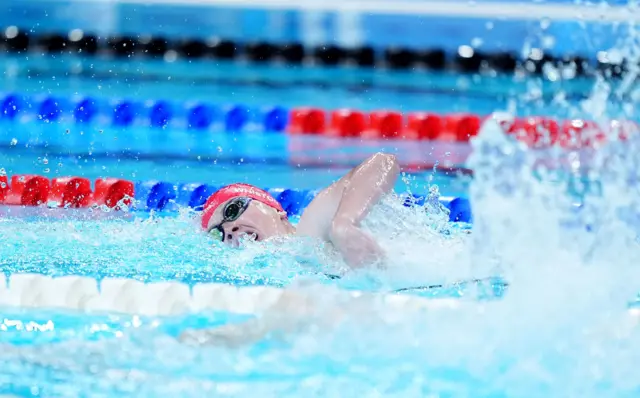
x=235, y=191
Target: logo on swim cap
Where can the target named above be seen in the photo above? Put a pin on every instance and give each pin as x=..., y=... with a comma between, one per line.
x=233, y=191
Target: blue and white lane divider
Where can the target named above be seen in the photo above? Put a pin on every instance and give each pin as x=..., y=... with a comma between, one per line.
x=158, y=114
x=165, y=196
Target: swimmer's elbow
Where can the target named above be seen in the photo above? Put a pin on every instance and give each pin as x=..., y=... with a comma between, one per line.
x=387, y=161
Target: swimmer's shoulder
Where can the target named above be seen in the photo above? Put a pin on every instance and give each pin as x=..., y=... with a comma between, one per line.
x=317, y=218
x=310, y=225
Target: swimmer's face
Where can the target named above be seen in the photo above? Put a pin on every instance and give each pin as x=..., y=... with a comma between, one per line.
x=256, y=221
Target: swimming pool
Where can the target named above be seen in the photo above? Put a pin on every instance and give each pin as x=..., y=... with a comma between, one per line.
x=526, y=344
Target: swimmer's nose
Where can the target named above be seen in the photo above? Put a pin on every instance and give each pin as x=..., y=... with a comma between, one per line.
x=233, y=236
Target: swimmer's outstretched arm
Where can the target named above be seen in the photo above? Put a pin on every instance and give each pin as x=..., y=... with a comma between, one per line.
x=336, y=213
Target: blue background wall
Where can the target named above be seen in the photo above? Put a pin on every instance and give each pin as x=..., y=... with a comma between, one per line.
x=109, y=17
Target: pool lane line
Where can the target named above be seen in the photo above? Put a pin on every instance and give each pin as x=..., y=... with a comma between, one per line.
x=375, y=127
x=129, y=296
x=34, y=196
x=463, y=60
x=360, y=87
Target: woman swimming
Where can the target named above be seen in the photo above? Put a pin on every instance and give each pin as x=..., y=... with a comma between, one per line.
x=334, y=216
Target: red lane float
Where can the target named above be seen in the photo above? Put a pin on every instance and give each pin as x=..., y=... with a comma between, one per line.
x=580, y=133
x=71, y=191
x=307, y=121
x=27, y=190
x=386, y=124
x=347, y=123
x=537, y=132
x=4, y=186
x=461, y=127
x=34, y=190
x=111, y=191
x=423, y=126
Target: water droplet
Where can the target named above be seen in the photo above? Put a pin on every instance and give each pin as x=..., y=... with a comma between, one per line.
x=3, y=172
x=45, y=161
x=3, y=185
x=14, y=141
x=21, y=179
x=46, y=170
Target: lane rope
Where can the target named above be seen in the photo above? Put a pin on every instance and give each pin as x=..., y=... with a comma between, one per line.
x=42, y=194
x=535, y=131
x=128, y=296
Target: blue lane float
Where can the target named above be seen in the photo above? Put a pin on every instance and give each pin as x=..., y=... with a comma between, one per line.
x=86, y=110
x=236, y=118
x=194, y=195
x=276, y=119
x=160, y=114
x=154, y=195
x=157, y=114
x=164, y=196
x=202, y=116
x=460, y=210
x=51, y=108
x=125, y=113
x=12, y=105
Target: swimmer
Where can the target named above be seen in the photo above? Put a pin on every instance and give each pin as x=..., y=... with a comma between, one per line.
x=334, y=215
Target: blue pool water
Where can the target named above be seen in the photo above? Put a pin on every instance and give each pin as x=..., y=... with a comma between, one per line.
x=170, y=249
x=141, y=153
x=229, y=82
x=527, y=344
x=178, y=156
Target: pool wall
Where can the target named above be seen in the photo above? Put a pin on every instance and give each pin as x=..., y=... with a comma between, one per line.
x=346, y=28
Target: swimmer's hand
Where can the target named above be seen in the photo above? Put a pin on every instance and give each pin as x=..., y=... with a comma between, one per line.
x=356, y=246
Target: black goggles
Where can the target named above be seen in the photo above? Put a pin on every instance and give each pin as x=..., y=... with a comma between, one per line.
x=231, y=212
